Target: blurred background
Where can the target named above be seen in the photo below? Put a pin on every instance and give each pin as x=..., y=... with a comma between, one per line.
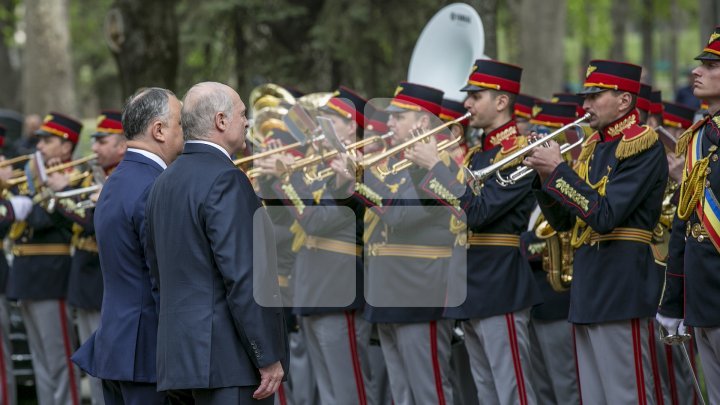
x=78, y=56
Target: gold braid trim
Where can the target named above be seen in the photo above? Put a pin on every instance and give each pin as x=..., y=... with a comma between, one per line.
x=637, y=144
x=459, y=229
x=581, y=232
x=684, y=139
x=587, y=150
x=691, y=188
x=17, y=229
x=300, y=236
x=470, y=154
x=371, y=221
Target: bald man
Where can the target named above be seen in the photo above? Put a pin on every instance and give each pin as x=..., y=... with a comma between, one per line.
x=211, y=250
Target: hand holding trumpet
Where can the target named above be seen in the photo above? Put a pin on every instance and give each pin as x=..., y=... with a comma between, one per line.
x=544, y=159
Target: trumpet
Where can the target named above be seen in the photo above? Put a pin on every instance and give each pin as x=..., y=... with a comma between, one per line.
x=313, y=160
x=376, y=158
x=23, y=179
x=328, y=171
x=15, y=160
x=477, y=178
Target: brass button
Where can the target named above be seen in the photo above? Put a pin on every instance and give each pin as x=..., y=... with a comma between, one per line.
x=715, y=158
x=713, y=148
x=700, y=238
x=707, y=183
x=708, y=171
x=687, y=230
x=696, y=231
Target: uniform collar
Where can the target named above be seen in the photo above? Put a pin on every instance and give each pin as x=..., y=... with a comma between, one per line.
x=615, y=129
x=497, y=136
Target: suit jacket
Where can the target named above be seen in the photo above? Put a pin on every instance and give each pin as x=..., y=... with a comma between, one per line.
x=210, y=244
x=124, y=345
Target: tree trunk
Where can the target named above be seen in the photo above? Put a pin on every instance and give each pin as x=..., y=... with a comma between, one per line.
x=542, y=53
x=675, y=26
x=144, y=40
x=9, y=71
x=709, y=18
x=47, y=68
x=618, y=16
x=586, y=51
x=488, y=10
x=512, y=36
x=646, y=28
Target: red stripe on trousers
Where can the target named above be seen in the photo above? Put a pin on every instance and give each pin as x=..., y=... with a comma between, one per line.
x=577, y=367
x=357, y=370
x=653, y=361
x=519, y=377
x=2, y=372
x=281, y=395
x=637, y=355
x=436, y=363
x=68, y=353
x=671, y=375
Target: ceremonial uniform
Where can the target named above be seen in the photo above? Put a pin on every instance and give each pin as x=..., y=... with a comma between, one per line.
x=500, y=288
x=328, y=271
x=39, y=280
x=693, y=282
x=552, y=352
x=675, y=373
x=611, y=203
x=408, y=251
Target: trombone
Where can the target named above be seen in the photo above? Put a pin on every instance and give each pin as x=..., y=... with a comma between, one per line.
x=401, y=147
x=477, y=178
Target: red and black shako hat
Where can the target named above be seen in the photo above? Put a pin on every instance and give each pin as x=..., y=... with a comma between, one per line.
x=576, y=99
x=491, y=74
x=416, y=97
x=553, y=115
x=524, y=105
x=712, y=49
x=347, y=104
x=644, y=101
x=656, y=104
x=604, y=75
x=109, y=123
x=56, y=124
x=677, y=115
x=376, y=119
x=452, y=109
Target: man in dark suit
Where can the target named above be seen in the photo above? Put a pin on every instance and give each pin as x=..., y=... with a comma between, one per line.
x=221, y=331
x=122, y=350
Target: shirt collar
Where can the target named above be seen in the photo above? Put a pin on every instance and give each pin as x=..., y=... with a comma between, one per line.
x=155, y=158
x=214, y=145
x=497, y=136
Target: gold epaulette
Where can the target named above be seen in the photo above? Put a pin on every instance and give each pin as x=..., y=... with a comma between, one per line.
x=684, y=139
x=588, y=147
x=635, y=140
x=470, y=154
x=520, y=142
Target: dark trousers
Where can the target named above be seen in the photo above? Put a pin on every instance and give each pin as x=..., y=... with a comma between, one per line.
x=132, y=393
x=229, y=396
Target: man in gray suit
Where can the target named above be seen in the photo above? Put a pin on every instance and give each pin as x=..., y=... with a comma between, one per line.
x=221, y=331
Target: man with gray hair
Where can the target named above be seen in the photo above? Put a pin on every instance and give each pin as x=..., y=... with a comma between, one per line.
x=221, y=331
x=122, y=350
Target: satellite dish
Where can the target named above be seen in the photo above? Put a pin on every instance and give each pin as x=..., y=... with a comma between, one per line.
x=448, y=45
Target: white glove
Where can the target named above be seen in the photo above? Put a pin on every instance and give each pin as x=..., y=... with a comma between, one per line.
x=671, y=325
x=22, y=206
x=681, y=328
